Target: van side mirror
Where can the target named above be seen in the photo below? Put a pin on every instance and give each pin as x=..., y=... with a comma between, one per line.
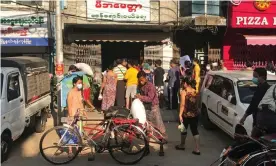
x=232, y=99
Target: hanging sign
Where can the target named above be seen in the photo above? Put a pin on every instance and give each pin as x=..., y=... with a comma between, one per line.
x=257, y=14
x=23, y=28
x=118, y=10
x=59, y=69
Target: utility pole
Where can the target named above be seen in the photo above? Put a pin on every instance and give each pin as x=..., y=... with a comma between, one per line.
x=59, y=57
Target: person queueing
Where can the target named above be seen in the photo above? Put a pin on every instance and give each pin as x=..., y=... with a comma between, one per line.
x=174, y=84
x=188, y=114
x=120, y=70
x=159, y=81
x=196, y=74
x=132, y=81
x=109, y=89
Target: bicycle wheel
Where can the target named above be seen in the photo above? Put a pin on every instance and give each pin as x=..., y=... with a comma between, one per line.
x=129, y=144
x=63, y=141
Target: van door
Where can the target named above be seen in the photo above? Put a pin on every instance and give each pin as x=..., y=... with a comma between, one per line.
x=15, y=103
x=227, y=110
x=214, y=100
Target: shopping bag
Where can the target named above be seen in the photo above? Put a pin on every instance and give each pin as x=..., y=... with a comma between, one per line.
x=138, y=111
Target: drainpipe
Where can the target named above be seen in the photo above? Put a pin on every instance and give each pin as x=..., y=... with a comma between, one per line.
x=159, y=19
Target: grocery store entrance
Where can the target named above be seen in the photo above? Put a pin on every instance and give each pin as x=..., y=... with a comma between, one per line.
x=112, y=51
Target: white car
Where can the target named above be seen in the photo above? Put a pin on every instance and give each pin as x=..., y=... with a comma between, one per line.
x=225, y=96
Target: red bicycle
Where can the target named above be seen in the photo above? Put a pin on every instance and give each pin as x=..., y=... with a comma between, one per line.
x=116, y=133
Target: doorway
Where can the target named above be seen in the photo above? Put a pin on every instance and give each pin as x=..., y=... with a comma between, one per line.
x=112, y=51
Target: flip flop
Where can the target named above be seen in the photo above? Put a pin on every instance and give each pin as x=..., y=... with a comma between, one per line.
x=177, y=147
x=196, y=153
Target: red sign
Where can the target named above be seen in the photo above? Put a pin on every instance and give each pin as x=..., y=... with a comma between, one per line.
x=253, y=15
x=59, y=69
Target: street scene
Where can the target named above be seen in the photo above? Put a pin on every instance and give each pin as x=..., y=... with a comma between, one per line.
x=138, y=82
x=26, y=149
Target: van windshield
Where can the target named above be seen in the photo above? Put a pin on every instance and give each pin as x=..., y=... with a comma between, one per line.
x=247, y=89
x=2, y=78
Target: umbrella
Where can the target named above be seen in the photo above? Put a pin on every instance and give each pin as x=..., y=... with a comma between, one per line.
x=67, y=85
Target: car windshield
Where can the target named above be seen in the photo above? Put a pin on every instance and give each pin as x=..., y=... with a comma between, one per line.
x=247, y=89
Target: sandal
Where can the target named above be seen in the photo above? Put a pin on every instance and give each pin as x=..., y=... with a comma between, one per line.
x=196, y=153
x=178, y=147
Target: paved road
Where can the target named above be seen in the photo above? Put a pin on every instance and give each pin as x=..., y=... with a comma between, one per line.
x=26, y=150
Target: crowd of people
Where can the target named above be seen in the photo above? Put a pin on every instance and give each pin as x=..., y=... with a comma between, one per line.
x=126, y=80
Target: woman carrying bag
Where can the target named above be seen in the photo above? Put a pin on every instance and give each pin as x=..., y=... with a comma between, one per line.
x=188, y=115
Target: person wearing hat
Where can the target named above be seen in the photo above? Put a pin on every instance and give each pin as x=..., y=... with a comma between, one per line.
x=149, y=73
x=173, y=84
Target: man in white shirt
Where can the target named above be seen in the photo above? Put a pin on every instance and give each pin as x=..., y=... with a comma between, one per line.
x=266, y=115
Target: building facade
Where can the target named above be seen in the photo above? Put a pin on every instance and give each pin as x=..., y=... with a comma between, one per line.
x=200, y=30
x=25, y=28
x=98, y=32
x=251, y=34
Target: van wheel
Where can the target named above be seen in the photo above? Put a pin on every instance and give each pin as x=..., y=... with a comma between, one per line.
x=6, y=143
x=205, y=119
x=41, y=122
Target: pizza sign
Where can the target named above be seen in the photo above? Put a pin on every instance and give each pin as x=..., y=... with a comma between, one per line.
x=262, y=5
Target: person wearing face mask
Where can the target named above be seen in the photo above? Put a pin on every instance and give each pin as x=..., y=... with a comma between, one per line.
x=259, y=78
x=74, y=99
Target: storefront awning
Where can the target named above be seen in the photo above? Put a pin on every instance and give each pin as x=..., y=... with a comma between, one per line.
x=260, y=40
x=119, y=37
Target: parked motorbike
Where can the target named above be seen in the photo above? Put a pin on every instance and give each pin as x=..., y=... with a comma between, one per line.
x=248, y=151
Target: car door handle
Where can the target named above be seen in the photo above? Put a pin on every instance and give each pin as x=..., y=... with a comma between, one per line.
x=21, y=100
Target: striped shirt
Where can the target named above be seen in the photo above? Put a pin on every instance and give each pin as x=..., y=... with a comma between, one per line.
x=120, y=71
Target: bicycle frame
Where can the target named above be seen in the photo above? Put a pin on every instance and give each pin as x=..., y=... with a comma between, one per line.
x=102, y=129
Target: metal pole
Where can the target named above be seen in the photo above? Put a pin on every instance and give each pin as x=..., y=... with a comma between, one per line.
x=59, y=55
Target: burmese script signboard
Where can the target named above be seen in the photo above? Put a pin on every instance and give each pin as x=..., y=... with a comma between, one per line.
x=253, y=14
x=23, y=28
x=119, y=10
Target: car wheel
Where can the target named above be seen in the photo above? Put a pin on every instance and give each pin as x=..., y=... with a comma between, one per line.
x=6, y=143
x=41, y=122
x=205, y=119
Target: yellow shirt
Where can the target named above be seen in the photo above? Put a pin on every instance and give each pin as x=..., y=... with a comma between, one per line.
x=131, y=76
x=197, y=76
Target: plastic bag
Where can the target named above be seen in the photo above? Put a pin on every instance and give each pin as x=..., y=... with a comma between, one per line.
x=138, y=111
x=68, y=138
x=100, y=97
x=181, y=128
x=85, y=68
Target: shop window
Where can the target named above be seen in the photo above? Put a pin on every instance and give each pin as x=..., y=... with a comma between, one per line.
x=195, y=7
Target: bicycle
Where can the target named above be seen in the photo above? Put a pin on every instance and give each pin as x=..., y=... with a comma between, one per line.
x=156, y=136
x=115, y=134
x=248, y=151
